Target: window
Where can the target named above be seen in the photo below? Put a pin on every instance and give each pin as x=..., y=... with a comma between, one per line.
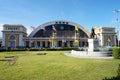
x=12, y=37
x=66, y=22
x=59, y=22
x=109, y=40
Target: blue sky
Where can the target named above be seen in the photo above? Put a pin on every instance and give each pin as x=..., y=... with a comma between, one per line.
x=87, y=13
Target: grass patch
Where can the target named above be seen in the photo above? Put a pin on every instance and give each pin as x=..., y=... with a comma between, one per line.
x=56, y=66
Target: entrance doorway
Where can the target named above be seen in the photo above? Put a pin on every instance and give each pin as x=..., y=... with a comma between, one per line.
x=71, y=43
x=59, y=43
x=43, y=44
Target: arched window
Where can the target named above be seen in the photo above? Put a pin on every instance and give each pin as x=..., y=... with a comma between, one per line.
x=12, y=37
x=109, y=40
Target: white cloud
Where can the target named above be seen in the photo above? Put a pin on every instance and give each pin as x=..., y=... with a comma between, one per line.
x=1, y=28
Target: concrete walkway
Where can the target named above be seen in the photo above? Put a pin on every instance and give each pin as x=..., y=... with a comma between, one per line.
x=78, y=56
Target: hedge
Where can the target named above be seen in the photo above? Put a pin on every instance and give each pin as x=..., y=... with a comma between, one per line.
x=38, y=49
x=3, y=49
x=116, y=52
x=54, y=49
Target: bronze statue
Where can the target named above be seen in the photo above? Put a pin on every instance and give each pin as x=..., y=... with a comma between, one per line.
x=92, y=35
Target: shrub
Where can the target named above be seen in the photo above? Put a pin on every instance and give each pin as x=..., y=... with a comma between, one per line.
x=60, y=49
x=41, y=53
x=34, y=49
x=51, y=49
x=110, y=49
x=116, y=52
x=18, y=49
x=3, y=49
x=69, y=48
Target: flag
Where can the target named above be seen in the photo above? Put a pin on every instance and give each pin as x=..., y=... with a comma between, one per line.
x=109, y=40
x=32, y=27
x=53, y=28
x=76, y=28
x=43, y=28
x=95, y=28
x=50, y=40
x=85, y=28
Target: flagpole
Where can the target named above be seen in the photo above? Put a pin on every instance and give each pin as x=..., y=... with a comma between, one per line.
x=76, y=34
x=117, y=22
x=75, y=37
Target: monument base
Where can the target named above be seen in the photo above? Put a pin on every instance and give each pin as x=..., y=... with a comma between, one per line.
x=93, y=44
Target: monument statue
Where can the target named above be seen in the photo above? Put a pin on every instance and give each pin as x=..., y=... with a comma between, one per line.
x=92, y=35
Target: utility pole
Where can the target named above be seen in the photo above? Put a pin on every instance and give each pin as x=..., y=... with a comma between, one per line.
x=117, y=23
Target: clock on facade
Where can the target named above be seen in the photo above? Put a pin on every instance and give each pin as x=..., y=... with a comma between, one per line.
x=61, y=27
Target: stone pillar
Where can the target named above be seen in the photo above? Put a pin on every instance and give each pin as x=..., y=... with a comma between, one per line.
x=24, y=43
x=36, y=44
x=55, y=43
x=62, y=44
x=41, y=44
x=30, y=43
x=21, y=40
x=115, y=42
x=46, y=43
x=3, y=39
x=50, y=44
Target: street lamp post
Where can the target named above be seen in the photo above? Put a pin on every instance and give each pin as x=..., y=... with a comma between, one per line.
x=117, y=22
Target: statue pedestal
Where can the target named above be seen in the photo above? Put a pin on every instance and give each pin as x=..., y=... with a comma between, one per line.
x=93, y=44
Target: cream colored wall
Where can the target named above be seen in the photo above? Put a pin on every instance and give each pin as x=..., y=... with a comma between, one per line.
x=102, y=32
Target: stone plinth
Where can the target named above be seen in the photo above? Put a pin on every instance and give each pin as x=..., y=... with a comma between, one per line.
x=92, y=44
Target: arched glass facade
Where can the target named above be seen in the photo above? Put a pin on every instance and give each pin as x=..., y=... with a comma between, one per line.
x=62, y=30
x=58, y=34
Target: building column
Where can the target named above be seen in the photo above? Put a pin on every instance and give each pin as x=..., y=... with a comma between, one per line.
x=46, y=43
x=3, y=39
x=115, y=42
x=30, y=43
x=50, y=44
x=62, y=44
x=41, y=44
x=38, y=43
x=35, y=43
x=54, y=43
x=24, y=43
x=20, y=40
